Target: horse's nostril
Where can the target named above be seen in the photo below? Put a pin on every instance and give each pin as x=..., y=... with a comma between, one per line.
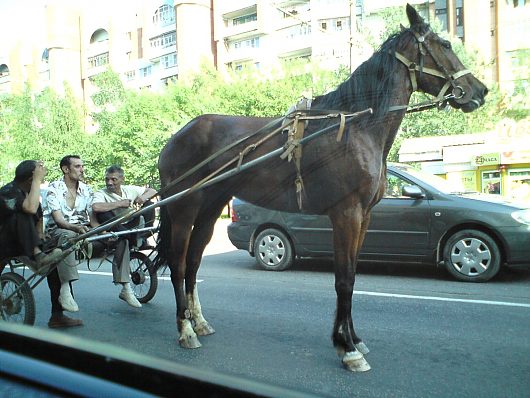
x=485, y=91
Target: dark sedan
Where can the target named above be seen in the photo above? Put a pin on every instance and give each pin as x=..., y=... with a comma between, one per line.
x=421, y=219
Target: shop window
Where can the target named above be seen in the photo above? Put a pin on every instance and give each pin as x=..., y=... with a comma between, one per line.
x=491, y=182
x=519, y=185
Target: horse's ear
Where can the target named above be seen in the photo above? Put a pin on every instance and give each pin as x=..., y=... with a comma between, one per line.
x=401, y=28
x=413, y=16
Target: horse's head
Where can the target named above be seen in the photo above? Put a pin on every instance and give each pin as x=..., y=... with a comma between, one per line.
x=435, y=69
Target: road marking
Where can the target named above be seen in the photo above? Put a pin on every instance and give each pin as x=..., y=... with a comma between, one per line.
x=434, y=298
x=365, y=293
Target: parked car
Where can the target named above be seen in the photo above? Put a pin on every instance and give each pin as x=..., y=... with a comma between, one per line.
x=421, y=219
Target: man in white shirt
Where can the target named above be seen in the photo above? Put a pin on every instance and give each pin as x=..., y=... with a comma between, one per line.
x=69, y=204
x=114, y=201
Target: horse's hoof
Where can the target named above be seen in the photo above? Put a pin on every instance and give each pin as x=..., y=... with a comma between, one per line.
x=190, y=342
x=204, y=329
x=362, y=348
x=355, y=362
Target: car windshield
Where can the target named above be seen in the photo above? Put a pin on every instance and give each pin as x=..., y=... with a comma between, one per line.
x=139, y=120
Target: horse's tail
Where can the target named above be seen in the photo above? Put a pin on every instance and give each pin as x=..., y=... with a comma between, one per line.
x=163, y=242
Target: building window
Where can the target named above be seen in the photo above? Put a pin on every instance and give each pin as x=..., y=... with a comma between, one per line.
x=130, y=75
x=4, y=70
x=45, y=56
x=170, y=79
x=98, y=60
x=168, y=61
x=165, y=40
x=245, y=19
x=297, y=31
x=164, y=16
x=99, y=36
x=335, y=24
x=519, y=185
x=147, y=71
x=440, y=11
x=516, y=3
x=247, y=43
x=491, y=182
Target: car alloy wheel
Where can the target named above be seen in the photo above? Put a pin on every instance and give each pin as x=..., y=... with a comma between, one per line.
x=273, y=250
x=472, y=256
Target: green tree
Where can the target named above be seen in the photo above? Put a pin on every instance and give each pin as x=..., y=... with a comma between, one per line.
x=39, y=126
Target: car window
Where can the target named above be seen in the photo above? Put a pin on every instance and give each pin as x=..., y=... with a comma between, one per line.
x=394, y=187
x=435, y=181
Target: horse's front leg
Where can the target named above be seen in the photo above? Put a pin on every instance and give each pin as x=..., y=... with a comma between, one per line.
x=348, y=233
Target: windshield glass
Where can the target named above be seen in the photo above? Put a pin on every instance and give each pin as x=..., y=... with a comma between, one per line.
x=126, y=127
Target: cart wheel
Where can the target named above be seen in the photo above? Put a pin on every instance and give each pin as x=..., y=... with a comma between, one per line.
x=144, y=280
x=17, y=303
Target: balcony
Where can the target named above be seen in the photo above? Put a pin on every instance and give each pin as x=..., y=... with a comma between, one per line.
x=240, y=31
x=155, y=53
x=243, y=54
x=231, y=9
x=97, y=48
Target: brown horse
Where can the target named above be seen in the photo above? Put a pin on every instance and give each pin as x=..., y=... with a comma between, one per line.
x=343, y=177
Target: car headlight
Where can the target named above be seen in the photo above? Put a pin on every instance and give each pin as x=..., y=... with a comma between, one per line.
x=522, y=216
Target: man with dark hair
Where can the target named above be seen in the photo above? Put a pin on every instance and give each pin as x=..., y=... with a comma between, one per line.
x=69, y=204
x=114, y=201
x=21, y=232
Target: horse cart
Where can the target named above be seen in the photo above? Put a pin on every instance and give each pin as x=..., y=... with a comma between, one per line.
x=17, y=303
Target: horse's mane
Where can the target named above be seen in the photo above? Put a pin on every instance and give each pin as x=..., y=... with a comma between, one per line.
x=369, y=86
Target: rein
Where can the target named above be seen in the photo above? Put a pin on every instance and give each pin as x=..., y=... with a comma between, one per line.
x=458, y=93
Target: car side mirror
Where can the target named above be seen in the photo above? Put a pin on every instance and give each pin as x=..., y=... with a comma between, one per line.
x=412, y=191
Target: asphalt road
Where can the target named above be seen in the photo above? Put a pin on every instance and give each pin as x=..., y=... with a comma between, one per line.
x=428, y=335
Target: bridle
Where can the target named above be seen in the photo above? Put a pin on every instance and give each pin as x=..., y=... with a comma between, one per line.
x=460, y=92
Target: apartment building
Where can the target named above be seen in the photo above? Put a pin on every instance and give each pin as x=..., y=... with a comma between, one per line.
x=151, y=42
x=75, y=41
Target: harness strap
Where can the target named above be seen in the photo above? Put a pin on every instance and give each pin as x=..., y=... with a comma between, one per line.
x=341, y=126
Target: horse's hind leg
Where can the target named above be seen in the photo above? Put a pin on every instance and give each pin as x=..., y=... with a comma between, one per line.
x=200, y=237
x=181, y=226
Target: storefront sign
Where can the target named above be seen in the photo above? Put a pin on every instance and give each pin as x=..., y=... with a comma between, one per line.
x=486, y=159
x=514, y=157
x=463, y=180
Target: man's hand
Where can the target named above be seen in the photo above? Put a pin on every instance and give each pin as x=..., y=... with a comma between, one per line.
x=139, y=200
x=80, y=229
x=39, y=172
x=125, y=203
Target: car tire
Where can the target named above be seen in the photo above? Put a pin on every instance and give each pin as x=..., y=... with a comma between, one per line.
x=472, y=256
x=273, y=250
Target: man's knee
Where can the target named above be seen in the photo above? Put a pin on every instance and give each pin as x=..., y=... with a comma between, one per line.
x=104, y=216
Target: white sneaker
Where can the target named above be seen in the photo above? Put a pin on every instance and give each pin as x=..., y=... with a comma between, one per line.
x=130, y=298
x=68, y=303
